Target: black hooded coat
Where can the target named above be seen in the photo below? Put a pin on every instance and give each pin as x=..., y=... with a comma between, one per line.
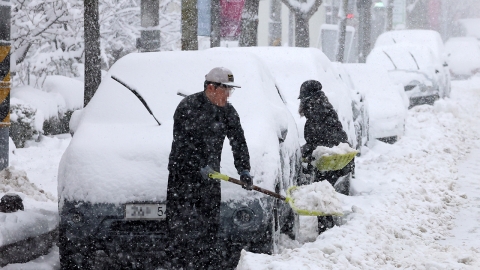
x=193, y=203
x=322, y=127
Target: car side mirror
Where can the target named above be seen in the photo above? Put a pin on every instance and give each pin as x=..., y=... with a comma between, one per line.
x=282, y=135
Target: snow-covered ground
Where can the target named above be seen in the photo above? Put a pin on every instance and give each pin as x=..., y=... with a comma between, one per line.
x=416, y=203
x=410, y=208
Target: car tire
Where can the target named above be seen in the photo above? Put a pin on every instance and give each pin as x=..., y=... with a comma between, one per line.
x=269, y=243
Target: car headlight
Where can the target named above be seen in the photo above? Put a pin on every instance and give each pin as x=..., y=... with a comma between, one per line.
x=409, y=87
x=412, y=85
x=243, y=217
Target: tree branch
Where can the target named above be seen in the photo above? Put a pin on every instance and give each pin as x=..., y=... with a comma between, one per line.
x=23, y=53
x=314, y=8
x=307, y=14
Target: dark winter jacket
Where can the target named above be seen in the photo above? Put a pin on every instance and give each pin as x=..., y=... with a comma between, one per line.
x=193, y=203
x=199, y=130
x=323, y=127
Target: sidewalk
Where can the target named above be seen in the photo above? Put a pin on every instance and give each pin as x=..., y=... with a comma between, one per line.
x=466, y=232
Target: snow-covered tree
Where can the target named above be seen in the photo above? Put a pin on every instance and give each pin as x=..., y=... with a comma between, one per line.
x=249, y=24
x=48, y=37
x=303, y=10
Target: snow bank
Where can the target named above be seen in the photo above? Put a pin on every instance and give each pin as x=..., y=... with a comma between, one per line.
x=41, y=160
x=317, y=197
x=70, y=89
x=33, y=221
x=405, y=199
x=13, y=180
x=340, y=149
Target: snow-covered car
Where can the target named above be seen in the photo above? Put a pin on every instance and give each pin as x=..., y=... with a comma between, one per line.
x=414, y=67
x=117, y=160
x=387, y=102
x=359, y=107
x=469, y=27
x=423, y=38
x=292, y=66
x=463, y=56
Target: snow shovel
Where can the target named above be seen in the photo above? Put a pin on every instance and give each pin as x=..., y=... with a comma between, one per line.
x=334, y=162
x=289, y=199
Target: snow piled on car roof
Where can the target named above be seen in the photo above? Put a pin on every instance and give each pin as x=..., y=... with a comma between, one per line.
x=120, y=154
x=292, y=66
x=429, y=38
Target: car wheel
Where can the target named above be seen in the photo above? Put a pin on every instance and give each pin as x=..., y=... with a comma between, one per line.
x=268, y=244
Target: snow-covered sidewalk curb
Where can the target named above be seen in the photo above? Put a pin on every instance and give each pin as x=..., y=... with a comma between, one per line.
x=404, y=200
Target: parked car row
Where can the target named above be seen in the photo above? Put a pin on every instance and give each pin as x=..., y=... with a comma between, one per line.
x=385, y=102
x=416, y=59
x=117, y=159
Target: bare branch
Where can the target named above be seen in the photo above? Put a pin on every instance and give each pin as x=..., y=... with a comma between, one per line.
x=23, y=51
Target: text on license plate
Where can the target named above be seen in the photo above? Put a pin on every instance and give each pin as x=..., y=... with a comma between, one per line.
x=145, y=211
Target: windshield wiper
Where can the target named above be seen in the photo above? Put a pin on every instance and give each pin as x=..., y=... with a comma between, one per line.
x=418, y=67
x=390, y=59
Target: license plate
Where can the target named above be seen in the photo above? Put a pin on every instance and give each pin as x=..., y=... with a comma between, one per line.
x=145, y=211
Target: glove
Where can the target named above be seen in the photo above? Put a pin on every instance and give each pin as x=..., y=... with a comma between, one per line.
x=306, y=150
x=247, y=179
x=206, y=171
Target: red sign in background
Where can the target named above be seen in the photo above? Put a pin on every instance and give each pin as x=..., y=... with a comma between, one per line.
x=231, y=16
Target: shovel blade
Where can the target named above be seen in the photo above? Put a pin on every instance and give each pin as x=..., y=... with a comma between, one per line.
x=310, y=212
x=334, y=162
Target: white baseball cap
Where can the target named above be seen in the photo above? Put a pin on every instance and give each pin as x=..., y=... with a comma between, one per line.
x=221, y=75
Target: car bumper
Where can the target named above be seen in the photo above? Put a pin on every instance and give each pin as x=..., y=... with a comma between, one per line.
x=419, y=100
x=103, y=227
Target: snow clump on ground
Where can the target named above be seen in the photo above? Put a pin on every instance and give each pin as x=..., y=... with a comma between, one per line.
x=317, y=197
x=13, y=180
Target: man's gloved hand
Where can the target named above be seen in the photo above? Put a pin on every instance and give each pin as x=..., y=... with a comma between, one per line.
x=247, y=179
x=206, y=171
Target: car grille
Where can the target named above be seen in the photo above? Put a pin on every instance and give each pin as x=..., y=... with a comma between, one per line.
x=138, y=227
